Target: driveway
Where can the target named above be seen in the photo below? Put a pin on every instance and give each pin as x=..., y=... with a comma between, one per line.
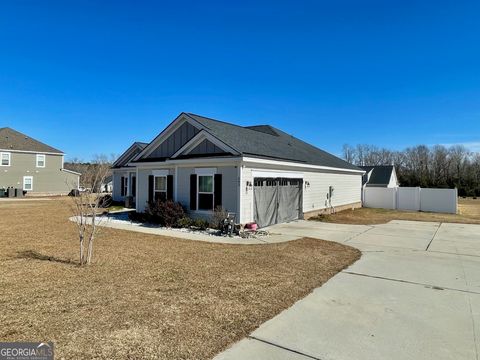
x=414, y=294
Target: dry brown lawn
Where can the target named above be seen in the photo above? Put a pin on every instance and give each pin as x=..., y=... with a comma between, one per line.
x=145, y=296
x=469, y=213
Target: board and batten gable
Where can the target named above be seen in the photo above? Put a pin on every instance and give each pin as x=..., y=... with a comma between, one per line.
x=48, y=179
x=175, y=141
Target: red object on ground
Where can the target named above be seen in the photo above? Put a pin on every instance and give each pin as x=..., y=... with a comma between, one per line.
x=251, y=226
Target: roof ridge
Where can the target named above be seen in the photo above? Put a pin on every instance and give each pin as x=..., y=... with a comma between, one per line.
x=232, y=124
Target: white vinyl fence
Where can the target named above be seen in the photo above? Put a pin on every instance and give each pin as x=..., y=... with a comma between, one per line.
x=412, y=198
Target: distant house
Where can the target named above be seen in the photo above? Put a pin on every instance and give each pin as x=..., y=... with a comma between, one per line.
x=107, y=185
x=34, y=167
x=258, y=172
x=380, y=176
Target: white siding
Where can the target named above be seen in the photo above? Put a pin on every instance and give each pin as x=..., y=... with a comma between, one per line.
x=348, y=189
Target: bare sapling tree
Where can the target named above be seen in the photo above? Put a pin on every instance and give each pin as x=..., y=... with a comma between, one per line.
x=87, y=205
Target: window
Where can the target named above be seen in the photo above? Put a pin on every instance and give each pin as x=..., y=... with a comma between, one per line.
x=125, y=186
x=28, y=183
x=205, y=192
x=160, y=188
x=5, y=159
x=40, y=160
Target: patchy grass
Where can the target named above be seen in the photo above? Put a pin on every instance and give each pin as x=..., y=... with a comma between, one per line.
x=145, y=296
x=469, y=213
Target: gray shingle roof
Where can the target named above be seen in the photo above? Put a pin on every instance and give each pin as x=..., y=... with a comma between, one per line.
x=381, y=174
x=13, y=140
x=268, y=141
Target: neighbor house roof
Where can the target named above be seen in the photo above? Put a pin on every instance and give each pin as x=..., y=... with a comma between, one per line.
x=270, y=142
x=14, y=140
x=381, y=174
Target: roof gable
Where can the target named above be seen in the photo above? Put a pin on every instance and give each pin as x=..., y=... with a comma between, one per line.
x=262, y=141
x=129, y=154
x=381, y=174
x=11, y=139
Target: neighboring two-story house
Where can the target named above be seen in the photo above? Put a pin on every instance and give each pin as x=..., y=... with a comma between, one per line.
x=34, y=167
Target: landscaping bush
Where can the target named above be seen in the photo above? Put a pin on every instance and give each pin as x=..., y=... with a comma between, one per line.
x=185, y=222
x=200, y=224
x=217, y=218
x=166, y=213
x=137, y=217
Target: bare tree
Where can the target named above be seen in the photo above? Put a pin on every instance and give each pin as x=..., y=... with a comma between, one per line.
x=349, y=153
x=86, y=206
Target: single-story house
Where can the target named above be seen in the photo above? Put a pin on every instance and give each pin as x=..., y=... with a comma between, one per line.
x=380, y=176
x=261, y=173
x=32, y=166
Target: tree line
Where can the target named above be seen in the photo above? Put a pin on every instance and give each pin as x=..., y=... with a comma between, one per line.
x=436, y=166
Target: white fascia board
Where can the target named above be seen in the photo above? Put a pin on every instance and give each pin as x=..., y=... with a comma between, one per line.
x=197, y=162
x=197, y=139
x=71, y=172
x=264, y=173
x=174, y=125
x=299, y=165
x=131, y=168
x=31, y=152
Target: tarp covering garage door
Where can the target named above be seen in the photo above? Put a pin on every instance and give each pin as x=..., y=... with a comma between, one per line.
x=277, y=200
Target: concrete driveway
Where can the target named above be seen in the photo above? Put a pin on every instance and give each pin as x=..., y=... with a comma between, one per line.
x=414, y=294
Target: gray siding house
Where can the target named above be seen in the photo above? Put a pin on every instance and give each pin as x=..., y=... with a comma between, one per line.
x=258, y=172
x=37, y=168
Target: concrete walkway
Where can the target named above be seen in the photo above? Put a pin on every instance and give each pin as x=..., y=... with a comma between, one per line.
x=414, y=294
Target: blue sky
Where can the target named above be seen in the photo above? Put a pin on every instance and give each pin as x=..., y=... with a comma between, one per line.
x=388, y=73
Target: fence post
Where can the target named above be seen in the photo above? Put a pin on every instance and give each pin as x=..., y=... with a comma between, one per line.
x=395, y=198
x=419, y=198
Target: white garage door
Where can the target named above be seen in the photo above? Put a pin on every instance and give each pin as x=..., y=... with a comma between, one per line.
x=277, y=200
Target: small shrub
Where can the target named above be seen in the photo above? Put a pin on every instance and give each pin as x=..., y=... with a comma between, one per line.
x=137, y=217
x=166, y=213
x=200, y=224
x=217, y=218
x=184, y=222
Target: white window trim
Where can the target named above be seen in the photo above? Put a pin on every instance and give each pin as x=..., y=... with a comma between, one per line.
x=155, y=177
x=205, y=171
x=9, y=158
x=212, y=192
x=31, y=182
x=44, y=160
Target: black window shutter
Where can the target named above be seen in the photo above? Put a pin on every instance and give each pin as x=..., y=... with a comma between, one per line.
x=193, y=192
x=217, y=191
x=150, y=188
x=169, y=187
x=134, y=186
x=122, y=189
